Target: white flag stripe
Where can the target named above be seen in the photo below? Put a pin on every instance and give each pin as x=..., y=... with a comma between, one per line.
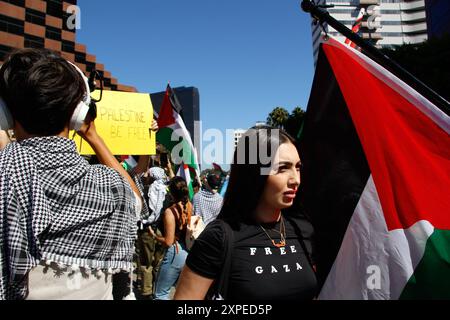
x=179, y=126
x=184, y=173
x=367, y=243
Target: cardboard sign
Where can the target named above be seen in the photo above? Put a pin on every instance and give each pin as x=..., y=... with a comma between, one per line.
x=124, y=122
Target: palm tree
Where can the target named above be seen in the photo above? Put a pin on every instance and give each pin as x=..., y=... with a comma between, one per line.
x=278, y=117
x=295, y=121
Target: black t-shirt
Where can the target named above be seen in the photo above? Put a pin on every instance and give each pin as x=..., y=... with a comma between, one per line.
x=259, y=270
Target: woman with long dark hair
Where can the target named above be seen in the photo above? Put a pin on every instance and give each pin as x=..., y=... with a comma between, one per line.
x=175, y=221
x=269, y=258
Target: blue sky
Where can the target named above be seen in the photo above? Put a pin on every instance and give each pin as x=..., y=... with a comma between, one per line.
x=246, y=57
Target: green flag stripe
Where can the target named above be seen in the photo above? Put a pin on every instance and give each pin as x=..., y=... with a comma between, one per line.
x=191, y=188
x=431, y=278
x=164, y=136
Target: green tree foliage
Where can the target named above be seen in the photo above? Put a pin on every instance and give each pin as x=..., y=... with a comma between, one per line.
x=278, y=117
x=295, y=122
x=428, y=61
x=292, y=123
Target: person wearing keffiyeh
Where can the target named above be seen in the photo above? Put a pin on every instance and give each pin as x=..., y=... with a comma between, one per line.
x=157, y=193
x=149, y=251
x=208, y=202
x=57, y=212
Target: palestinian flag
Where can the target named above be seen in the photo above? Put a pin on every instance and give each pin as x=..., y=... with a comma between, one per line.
x=128, y=162
x=174, y=136
x=184, y=172
x=376, y=182
x=356, y=26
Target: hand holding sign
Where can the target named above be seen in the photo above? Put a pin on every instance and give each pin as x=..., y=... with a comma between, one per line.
x=124, y=123
x=155, y=126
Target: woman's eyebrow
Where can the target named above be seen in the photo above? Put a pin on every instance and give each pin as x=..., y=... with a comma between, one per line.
x=284, y=163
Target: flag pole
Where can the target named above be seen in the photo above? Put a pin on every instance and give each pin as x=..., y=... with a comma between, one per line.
x=370, y=50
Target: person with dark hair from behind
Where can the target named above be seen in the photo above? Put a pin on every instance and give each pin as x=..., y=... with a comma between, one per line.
x=150, y=252
x=65, y=225
x=175, y=221
x=196, y=185
x=268, y=258
x=208, y=202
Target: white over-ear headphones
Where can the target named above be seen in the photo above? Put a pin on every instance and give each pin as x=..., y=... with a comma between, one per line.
x=77, y=120
x=82, y=108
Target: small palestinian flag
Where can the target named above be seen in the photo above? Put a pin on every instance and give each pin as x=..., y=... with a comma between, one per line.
x=376, y=182
x=184, y=172
x=356, y=26
x=174, y=136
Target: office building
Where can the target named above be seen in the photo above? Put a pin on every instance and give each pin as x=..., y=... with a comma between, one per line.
x=238, y=135
x=49, y=24
x=386, y=23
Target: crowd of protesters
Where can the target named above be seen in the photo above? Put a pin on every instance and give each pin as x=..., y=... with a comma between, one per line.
x=96, y=225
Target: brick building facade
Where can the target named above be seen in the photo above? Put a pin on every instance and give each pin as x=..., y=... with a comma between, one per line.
x=38, y=23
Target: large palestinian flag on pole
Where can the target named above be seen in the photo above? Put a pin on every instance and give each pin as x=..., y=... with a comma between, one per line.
x=376, y=182
x=174, y=136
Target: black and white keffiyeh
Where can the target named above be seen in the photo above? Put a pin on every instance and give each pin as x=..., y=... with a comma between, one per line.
x=157, y=193
x=207, y=204
x=55, y=207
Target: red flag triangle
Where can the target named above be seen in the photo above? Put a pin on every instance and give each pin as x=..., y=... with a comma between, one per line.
x=166, y=117
x=407, y=151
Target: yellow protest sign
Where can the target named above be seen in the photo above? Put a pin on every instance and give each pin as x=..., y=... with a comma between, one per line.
x=124, y=122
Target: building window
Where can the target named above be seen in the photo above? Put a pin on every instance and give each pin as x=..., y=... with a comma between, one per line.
x=20, y=3
x=90, y=66
x=391, y=34
x=391, y=23
x=65, y=17
x=11, y=25
x=34, y=16
x=68, y=46
x=53, y=33
x=80, y=57
x=340, y=10
x=107, y=82
x=384, y=11
x=55, y=8
x=33, y=42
